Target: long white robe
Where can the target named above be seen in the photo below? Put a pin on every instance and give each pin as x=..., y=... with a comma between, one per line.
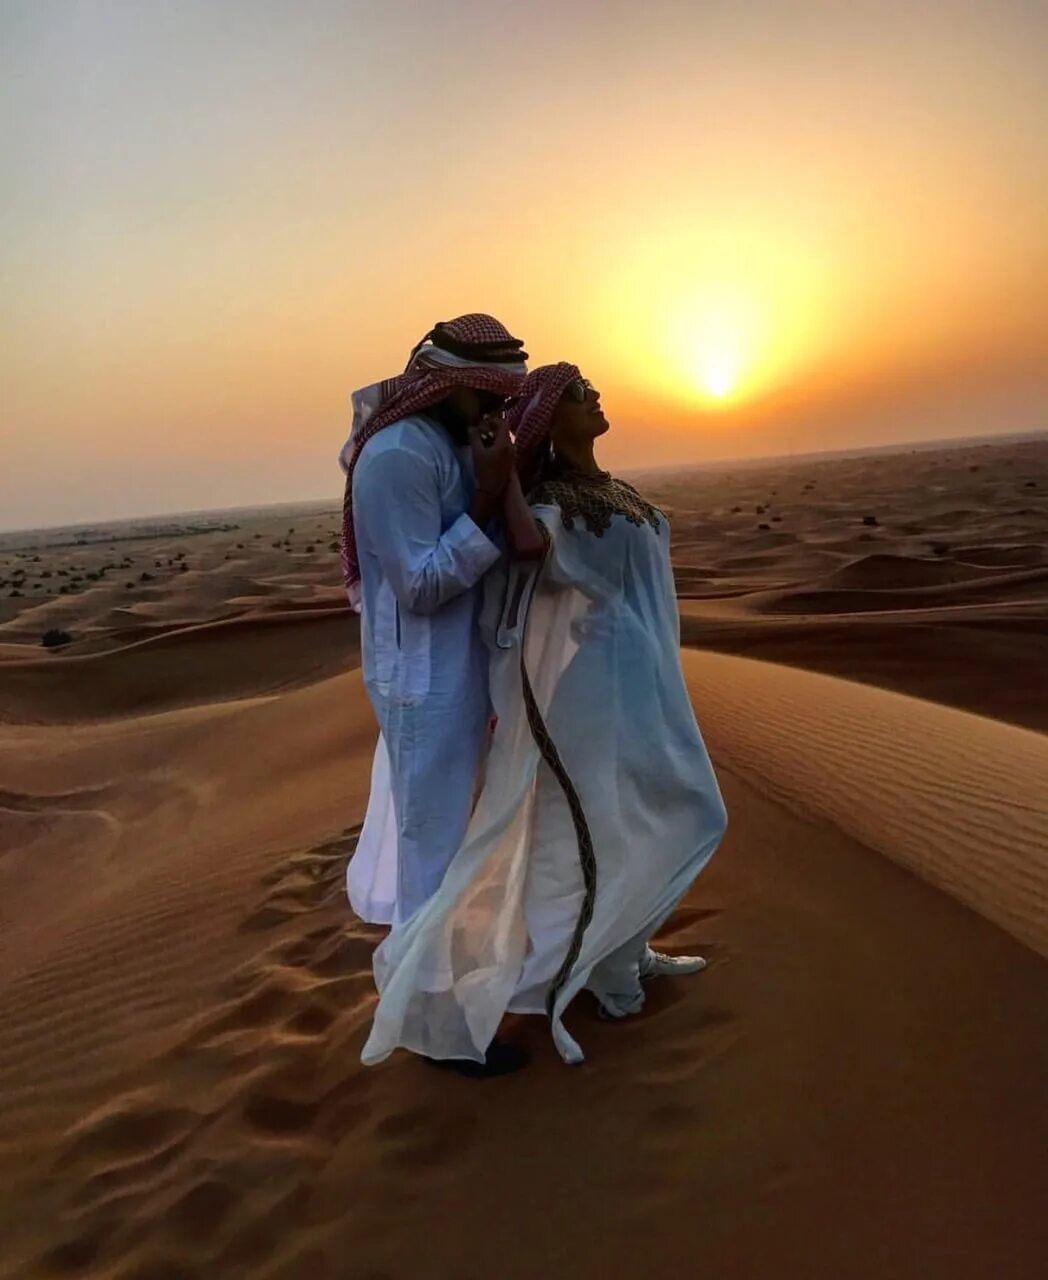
x=425, y=664
x=594, y=635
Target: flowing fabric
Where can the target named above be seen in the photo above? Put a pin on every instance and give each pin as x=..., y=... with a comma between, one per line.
x=373, y=871
x=600, y=804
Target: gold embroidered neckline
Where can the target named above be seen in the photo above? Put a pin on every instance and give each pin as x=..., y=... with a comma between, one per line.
x=594, y=498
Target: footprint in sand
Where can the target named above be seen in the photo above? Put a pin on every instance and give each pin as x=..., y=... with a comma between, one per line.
x=127, y=1132
x=150, y=1186
x=271, y=1114
x=669, y=1125
x=427, y=1137
x=75, y=1254
x=303, y=882
x=202, y=1210
x=677, y=1061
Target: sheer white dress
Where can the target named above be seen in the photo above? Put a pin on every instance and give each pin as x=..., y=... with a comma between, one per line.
x=599, y=807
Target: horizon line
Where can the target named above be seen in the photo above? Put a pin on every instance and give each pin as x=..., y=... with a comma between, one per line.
x=902, y=446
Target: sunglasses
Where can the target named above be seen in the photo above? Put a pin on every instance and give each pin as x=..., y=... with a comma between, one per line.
x=578, y=389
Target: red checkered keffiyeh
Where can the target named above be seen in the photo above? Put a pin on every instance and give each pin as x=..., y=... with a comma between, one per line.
x=530, y=416
x=471, y=351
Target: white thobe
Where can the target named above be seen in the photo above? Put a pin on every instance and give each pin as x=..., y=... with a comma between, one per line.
x=425, y=665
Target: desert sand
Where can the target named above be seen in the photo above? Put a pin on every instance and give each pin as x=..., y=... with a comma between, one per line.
x=853, y=1088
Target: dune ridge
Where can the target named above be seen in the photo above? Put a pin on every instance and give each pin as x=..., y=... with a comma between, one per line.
x=960, y=800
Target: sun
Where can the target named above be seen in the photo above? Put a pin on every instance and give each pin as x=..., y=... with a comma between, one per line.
x=713, y=316
x=719, y=333
x=718, y=374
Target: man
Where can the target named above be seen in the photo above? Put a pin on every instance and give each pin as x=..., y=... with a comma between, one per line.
x=427, y=469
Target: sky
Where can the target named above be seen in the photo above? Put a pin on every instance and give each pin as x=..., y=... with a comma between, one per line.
x=759, y=227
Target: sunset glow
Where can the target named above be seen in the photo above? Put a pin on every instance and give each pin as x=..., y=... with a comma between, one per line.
x=719, y=372
x=716, y=318
x=749, y=225
x=726, y=342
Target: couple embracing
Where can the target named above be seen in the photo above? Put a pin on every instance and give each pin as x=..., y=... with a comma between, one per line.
x=541, y=797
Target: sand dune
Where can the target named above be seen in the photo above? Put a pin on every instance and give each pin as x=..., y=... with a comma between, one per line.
x=179, y=1055
x=181, y=575
x=180, y=666
x=960, y=800
x=922, y=571
x=1024, y=586
x=884, y=572
x=1025, y=553
x=988, y=660
x=853, y=1088
x=804, y=562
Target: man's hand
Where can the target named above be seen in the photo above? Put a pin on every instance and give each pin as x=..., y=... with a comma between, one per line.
x=492, y=448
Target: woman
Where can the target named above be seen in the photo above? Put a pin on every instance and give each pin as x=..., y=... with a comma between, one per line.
x=599, y=805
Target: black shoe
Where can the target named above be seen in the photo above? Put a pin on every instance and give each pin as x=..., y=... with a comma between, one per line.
x=500, y=1059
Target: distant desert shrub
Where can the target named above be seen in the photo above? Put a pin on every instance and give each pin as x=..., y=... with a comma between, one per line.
x=54, y=638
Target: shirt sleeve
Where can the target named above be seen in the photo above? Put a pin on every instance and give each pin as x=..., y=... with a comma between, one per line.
x=397, y=512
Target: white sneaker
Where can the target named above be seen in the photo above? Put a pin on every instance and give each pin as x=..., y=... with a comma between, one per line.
x=654, y=964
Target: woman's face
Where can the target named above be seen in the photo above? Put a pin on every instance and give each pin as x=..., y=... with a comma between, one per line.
x=578, y=416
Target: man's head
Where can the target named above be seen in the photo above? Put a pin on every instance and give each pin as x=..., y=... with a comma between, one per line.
x=474, y=339
x=473, y=344
x=461, y=369
x=464, y=407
